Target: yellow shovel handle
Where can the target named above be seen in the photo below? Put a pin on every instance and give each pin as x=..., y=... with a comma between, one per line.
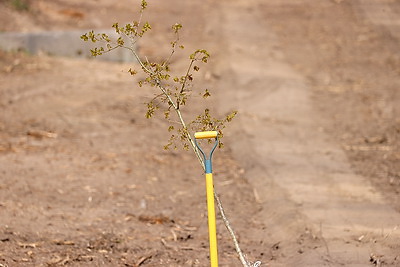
x=212, y=228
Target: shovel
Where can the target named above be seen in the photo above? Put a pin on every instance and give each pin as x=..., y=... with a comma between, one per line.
x=212, y=229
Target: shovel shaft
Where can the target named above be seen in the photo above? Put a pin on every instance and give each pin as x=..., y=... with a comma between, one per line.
x=212, y=228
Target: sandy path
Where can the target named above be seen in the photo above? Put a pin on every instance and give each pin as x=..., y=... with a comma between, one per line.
x=314, y=206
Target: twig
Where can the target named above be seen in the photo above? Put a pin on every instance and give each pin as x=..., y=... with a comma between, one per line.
x=231, y=232
x=142, y=260
x=167, y=245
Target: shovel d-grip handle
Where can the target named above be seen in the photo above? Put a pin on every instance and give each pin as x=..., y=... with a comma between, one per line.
x=206, y=135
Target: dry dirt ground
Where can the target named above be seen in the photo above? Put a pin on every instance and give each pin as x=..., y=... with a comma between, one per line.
x=310, y=172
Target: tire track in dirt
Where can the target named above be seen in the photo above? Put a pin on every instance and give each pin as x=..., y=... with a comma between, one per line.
x=317, y=212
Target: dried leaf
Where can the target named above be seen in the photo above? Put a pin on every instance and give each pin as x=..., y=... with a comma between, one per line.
x=41, y=134
x=154, y=219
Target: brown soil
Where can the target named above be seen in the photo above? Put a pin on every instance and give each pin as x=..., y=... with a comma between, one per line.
x=309, y=175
